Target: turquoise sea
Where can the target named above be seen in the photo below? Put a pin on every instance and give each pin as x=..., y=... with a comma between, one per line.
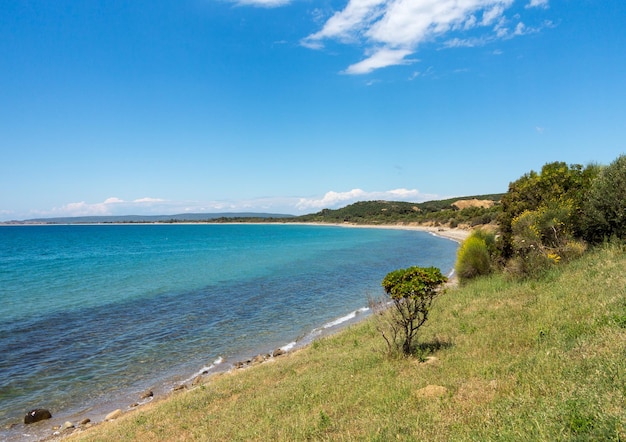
x=93, y=315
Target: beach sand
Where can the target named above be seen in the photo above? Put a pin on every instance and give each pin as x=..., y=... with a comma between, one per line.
x=455, y=234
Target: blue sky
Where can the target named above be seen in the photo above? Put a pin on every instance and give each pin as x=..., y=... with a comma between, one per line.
x=292, y=106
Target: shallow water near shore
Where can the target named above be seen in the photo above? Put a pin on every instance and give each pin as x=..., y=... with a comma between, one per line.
x=94, y=315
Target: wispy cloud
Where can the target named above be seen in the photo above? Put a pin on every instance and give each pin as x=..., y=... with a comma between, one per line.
x=380, y=59
x=263, y=3
x=392, y=30
x=471, y=42
x=110, y=206
x=148, y=200
x=537, y=4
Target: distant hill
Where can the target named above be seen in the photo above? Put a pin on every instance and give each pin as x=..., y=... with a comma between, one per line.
x=437, y=212
x=182, y=217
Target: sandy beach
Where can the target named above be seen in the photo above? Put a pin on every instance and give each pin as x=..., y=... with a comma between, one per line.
x=456, y=234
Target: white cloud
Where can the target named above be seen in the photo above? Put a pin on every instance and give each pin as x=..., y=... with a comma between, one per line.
x=334, y=199
x=491, y=15
x=464, y=42
x=263, y=3
x=470, y=23
x=537, y=4
x=110, y=206
x=404, y=194
x=149, y=200
x=391, y=30
x=330, y=199
x=520, y=29
x=113, y=200
x=382, y=58
x=80, y=209
x=345, y=25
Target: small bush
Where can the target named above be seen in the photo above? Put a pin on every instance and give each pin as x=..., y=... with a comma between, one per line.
x=573, y=249
x=411, y=292
x=541, y=238
x=530, y=265
x=475, y=255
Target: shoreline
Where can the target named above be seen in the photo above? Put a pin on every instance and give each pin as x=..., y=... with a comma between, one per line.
x=127, y=402
x=456, y=234
x=98, y=413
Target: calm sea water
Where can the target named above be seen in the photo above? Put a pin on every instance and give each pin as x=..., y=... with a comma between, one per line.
x=97, y=314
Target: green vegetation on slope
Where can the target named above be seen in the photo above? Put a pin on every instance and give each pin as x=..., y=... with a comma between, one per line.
x=512, y=360
x=387, y=212
x=551, y=217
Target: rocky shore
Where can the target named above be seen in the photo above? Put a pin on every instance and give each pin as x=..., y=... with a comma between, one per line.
x=62, y=431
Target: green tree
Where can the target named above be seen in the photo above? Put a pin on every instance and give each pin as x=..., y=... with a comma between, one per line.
x=412, y=292
x=605, y=207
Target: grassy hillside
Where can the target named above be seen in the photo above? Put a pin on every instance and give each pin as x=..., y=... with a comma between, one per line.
x=533, y=360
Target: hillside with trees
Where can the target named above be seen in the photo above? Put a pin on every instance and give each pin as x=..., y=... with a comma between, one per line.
x=440, y=212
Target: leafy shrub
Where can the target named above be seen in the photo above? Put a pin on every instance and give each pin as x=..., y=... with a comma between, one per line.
x=474, y=257
x=530, y=265
x=542, y=238
x=488, y=237
x=557, y=195
x=412, y=292
x=573, y=249
x=605, y=207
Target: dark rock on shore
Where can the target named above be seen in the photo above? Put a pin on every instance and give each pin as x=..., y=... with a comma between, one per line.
x=240, y=364
x=147, y=394
x=37, y=415
x=258, y=359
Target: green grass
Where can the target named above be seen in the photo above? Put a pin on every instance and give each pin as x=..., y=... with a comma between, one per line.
x=532, y=360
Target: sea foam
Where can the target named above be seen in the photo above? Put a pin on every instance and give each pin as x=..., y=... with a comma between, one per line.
x=345, y=318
